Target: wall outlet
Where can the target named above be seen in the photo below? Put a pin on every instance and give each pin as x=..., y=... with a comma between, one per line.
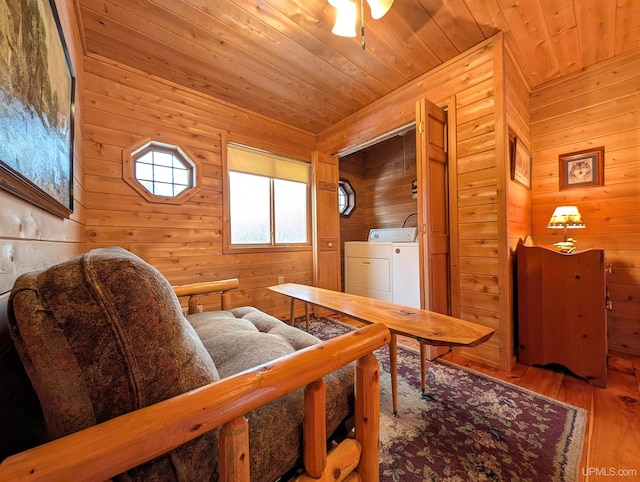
x=280, y=280
x=185, y=311
x=200, y=309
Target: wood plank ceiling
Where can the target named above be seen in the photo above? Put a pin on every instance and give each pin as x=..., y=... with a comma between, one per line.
x=279, y=58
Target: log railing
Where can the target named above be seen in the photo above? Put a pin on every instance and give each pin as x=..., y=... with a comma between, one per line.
x=206, y=288
x=102, y=451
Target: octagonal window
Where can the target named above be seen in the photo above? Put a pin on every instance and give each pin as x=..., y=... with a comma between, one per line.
x=346, y=198
x=160, y=172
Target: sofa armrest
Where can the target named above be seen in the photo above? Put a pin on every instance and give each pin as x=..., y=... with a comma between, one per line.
x=192, y=290
x=109, y=448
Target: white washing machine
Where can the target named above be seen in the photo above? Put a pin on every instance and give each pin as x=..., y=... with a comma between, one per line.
x=386, y=267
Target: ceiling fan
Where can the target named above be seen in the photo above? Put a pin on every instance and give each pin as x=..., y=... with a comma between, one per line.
x=347, y=13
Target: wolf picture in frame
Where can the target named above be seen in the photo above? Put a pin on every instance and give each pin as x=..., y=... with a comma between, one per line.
x=582, y=168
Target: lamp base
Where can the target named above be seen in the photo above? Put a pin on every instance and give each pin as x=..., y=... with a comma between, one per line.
x=567, y=246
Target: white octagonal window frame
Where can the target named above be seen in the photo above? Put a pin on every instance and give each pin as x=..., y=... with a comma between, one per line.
x=346, y=198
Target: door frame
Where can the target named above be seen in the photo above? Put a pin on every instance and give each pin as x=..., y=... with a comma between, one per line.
x=447, y=105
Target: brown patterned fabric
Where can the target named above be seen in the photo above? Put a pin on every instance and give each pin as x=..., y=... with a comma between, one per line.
x=245, y=337
x=103, y=334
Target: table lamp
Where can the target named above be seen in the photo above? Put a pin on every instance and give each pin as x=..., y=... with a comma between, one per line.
x=566, y=217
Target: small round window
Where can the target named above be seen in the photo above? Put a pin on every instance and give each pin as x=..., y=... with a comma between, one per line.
x=346, y=198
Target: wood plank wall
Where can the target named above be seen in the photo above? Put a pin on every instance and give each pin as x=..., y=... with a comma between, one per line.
x=518, y=125
x=597, y=107
x=477, y=209
x=511, y=214
x=354, y=227
x=382, y=176
x=466, y=84
x=389, y=169
x=31, y=238
x=518, y=206
x=123, y=106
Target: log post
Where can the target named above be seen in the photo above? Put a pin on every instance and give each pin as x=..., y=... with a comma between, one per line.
x=315, y=428
x=225, y=300
x=234, y=451
x=341, y=462
x=193, y=304
x=367, y=417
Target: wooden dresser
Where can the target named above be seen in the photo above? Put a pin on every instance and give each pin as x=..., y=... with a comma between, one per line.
x=562, y=316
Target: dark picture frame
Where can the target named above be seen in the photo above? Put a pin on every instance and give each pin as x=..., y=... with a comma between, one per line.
x=582, y=168
x=37, y=90
x=520, y=163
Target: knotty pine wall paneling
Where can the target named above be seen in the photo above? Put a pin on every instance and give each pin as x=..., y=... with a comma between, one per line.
x=515, y=218
x=31, y=238
x=517, y=109
x=353, y=227
x=477, y=205
x=389, y=169
x=597, y=107
x=123, y=106
x=382, y=177
x=469, y=81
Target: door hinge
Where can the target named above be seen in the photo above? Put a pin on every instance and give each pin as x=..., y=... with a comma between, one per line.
x=421, y=127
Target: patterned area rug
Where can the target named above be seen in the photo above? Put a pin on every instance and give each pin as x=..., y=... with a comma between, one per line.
x=468, y=426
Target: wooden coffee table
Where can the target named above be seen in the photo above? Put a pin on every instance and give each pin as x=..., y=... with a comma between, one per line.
x=427, y=327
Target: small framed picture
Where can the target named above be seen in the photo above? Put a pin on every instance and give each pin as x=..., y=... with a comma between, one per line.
x=582, y=168
x=520, y=163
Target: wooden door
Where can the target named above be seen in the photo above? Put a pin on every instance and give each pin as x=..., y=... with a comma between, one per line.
x=326, y=222
x=433, y=213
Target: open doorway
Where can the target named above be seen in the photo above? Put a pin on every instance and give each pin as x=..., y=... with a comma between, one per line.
x=382, y=176
x=400, y=182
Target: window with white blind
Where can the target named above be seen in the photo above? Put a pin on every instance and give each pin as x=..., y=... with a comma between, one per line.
x=268, y=199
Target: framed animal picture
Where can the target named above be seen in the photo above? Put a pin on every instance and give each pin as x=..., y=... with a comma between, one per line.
x=582, y=168
x=520, y=163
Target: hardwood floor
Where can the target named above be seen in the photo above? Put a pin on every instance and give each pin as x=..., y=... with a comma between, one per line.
x=611, y=449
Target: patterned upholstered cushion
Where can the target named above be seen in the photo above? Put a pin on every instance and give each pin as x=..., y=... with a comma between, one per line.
x=103, y=334
x=245, y=337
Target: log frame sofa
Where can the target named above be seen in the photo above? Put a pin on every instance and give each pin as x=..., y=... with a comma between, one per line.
x=112, y=447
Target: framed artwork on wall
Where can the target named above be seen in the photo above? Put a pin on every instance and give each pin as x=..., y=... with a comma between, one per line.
x=36, y=107
x=582, y=169
x=520, y=163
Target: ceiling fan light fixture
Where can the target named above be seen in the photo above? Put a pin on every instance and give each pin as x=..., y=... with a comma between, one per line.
x=379, y=8
x=346, y=17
